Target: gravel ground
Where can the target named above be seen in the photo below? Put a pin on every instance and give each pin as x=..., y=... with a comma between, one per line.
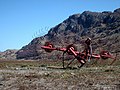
x=43, y=78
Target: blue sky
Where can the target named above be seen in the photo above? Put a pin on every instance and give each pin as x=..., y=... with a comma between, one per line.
x=23, y=20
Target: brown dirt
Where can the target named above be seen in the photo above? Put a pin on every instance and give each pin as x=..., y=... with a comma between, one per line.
x=38, y=75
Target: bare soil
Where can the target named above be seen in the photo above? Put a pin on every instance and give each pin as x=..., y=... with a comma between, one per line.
x=49, y=75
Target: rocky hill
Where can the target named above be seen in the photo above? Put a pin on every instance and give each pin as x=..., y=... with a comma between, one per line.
x=102, y=27
x=8, y=54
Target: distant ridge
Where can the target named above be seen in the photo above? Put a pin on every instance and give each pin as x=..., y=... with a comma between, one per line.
x=8, y=54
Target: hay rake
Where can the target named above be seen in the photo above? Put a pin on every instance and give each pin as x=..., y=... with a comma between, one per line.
x=80, y=56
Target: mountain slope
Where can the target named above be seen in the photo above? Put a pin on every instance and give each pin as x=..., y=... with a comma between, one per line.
x=103, y=28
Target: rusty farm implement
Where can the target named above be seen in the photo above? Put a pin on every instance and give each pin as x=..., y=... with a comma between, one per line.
x=80, y=56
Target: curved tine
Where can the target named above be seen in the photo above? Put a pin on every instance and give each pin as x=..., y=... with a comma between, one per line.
x=63, y=59
x=114, y=59
x=81, y=65
x=70, y=62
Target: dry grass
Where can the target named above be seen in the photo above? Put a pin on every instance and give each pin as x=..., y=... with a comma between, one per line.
x=34, y=75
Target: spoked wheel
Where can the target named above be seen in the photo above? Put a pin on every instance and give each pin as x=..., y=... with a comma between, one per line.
x=67, y=63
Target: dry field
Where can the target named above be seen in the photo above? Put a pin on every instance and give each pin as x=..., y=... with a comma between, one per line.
x=40, y=75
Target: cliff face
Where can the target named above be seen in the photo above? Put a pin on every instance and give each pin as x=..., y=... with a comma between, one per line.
x=103, y=28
